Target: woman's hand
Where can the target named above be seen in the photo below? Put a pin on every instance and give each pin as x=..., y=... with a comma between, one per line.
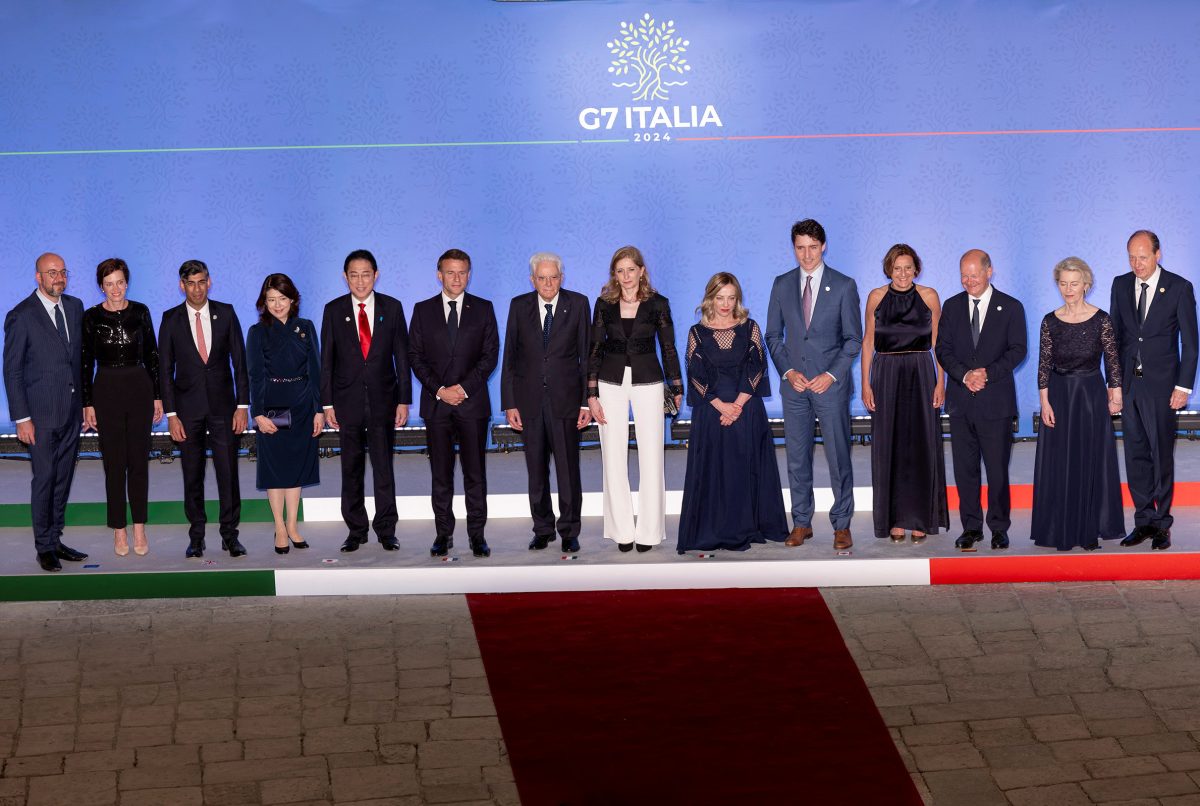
x=1115, y=403
x=678, y=402
x=1047, y=414
x=597, y=410
x=939, y=396
x=318, y=423
x=89, y=418
x=868, y=397
x=158, y=412
x=729, y=411
x=264, y=425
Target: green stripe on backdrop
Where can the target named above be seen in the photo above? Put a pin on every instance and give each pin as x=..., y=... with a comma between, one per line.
x=177, y=585
x=94, y=513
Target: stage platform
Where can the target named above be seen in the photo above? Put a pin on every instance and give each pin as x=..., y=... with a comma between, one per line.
x=322, y=569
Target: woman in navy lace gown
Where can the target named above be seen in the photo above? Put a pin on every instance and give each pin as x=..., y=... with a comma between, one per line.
x=1076, y=484
x=732, y=495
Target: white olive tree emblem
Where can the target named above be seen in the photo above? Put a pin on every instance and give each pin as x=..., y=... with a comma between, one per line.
x=651, y=53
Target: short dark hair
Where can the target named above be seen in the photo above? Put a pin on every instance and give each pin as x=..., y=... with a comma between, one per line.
x=454, y=254
x=360, y=254
x=284, y=285
x=895, y=253
x=109, y=266
x=808, y=227
x=1153, y=238
x=190, y=267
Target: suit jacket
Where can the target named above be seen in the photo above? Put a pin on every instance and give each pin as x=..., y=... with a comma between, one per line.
x=610, y=348
x=1003, y=344
x=190, y=387
x=381, y=380
x=833, y=338
x=559, y=370
x=1167, y=338
x=469, y=362
x=42, y=376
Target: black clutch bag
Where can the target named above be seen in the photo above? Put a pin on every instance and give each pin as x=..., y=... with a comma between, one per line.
x=669, y=407
x=282, y=418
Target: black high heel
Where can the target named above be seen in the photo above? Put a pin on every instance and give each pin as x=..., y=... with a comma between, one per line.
x=301, y=544
x=283, y=550
x=642, y=547
x=625, y=546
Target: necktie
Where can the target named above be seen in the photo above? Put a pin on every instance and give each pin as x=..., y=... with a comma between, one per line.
x=201, y=347
x=546, y=325
x=1142, y=303
x=806, y=301
x=60, y=322
x=364, y=329
x=975, y=324
x=452, y=323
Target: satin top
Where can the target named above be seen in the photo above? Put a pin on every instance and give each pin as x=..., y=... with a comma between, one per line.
x=903, y=322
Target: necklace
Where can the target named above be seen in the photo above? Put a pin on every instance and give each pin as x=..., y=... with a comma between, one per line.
x=629, y=301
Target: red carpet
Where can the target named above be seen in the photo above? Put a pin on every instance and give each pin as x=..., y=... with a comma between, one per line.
x=683, y=697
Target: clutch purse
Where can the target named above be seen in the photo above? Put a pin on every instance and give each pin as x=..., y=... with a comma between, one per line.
x=669, y=407
x=282, y=418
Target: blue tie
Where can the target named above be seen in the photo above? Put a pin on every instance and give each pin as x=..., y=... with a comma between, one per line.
x=546, y=325
x=61, y=323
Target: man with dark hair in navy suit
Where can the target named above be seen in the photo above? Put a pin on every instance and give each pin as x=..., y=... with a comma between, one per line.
x=42, y=369
x=981, y=341
x=1153, y=312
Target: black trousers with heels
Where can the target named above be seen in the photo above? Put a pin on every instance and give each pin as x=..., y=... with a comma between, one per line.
x=124, y=402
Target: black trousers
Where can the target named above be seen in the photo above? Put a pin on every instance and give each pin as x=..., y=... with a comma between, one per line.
x=210, y=433
x=52, y=456
x=124, y=402
x=973, y=439
x=442, y=430
x=1149, y=425
x=357, y=437
x=546, y=435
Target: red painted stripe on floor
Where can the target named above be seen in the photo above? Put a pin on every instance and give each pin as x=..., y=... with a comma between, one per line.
x=697, y=697
x=1066, y=567
x=1187, y=494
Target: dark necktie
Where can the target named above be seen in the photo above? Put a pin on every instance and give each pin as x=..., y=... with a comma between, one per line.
x=452, y=323
x=364, y=329
x=546, y=325
x=1142, y=304
x=975, y=324
x=60, y=322
x=806, y=300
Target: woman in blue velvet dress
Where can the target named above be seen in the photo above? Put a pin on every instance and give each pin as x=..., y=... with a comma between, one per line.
x=732, y=495
x=285, y=402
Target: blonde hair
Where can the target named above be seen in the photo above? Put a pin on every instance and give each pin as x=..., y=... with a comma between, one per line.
x=611, y=293
x=1075, y=264
x=714, y=286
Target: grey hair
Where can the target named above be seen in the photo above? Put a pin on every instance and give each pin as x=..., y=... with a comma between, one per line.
x=545, y=257
x=1075, y=264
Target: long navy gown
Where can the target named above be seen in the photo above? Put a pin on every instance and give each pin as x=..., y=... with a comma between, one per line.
x=1076, y=484
x=285, y=372
x=732, y=495
x=908, y=464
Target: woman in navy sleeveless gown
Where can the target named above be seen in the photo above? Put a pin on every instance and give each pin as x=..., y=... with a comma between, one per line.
x=732, y=495
x=903, y=389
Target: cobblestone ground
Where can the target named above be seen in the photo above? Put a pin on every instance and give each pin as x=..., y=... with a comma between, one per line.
x=378, y=700
x=1055, y=694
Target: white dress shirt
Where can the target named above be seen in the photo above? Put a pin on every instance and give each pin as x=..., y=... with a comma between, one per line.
x=985, y=299
x=542, y=303
x=446, y=300
x=370, y=309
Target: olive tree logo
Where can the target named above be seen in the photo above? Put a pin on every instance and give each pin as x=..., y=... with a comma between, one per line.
x=650, y=52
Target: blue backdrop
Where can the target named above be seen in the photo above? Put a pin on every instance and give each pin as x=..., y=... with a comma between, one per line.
x=278, y=136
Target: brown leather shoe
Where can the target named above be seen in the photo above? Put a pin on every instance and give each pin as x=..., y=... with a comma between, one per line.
x=841, y=539
x=798, y=536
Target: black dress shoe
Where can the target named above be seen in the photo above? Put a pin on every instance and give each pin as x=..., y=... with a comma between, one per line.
x=352, y=543
x=643, y=547
x=389, y=543
x=968, y=538
x=999, y=540
x=48, y=560
x=441, y=546
x=1162, y=540
x=1092, y=546
x=195, y=547
x=540, y=542
x=64, y=552
x=570, y=545
x=480, y=548
x=625, y=546
x=233, y=546
x=1139, y=535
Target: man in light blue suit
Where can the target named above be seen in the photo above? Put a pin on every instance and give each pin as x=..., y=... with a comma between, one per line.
x=42, y=364
x=814, y=331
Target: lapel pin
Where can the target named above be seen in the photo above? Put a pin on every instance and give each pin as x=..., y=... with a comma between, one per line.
x=214, y=316
x=347, y=318
x=999, y=307
x=826, y=288
x=1162, y=290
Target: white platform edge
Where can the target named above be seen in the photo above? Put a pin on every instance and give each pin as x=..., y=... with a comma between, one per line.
x=457, y=579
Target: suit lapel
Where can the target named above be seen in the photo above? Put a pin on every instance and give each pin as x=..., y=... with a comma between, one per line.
x=73, y=328
x=1164, y=290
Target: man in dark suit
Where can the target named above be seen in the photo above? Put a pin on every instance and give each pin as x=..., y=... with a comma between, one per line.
x=42, y=366
x=453, y=346
x=543, y=391
x=814, y=331
x=981, y=341
x=365, y=390
x=1154, y=315
x=202, y=354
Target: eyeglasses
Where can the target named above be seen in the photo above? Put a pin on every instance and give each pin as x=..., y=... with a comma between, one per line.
x=54, y=274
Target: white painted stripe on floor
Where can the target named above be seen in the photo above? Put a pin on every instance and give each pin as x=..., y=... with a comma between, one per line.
x=461, y=578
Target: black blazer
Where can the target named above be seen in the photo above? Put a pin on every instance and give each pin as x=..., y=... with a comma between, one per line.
x=191, y=388
x=470, y=362
x=42, y=375
x=381, y=380
x=1003, y=344
x=1167, y=338
x=531, y=372
x=609, y=346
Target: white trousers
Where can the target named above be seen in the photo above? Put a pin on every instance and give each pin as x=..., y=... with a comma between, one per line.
x=648, y=421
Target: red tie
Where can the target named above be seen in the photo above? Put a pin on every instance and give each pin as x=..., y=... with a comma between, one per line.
x=364, y=330
x=201, y=347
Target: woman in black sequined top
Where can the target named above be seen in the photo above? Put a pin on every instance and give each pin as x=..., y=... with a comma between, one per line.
x=121, y=399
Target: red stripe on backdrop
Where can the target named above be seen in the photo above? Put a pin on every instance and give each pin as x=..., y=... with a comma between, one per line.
x=1067, y=567
x=1187, y=494
x=696, y=697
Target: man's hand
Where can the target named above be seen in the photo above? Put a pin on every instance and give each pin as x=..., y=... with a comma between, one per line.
x=585, y=419
x=25, y=432
x=240, y=420
x=821, y=383
x=975, y=380
x=175, y=426
x=1179, y=399
x=514, y=419
x=796, y=379
x=452, y=395
x=401, y=415
x=331, y=418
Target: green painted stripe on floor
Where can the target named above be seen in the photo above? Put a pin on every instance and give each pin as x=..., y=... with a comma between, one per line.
x=175, y=585
x=95, y=513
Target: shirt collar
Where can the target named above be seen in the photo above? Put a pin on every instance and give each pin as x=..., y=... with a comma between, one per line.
x=552, y=303
x=48, y=303
x=1152, y=281
x=446, y=299
x=816, y=274
x=369, y=301
x=983, y=298
x=202, y=310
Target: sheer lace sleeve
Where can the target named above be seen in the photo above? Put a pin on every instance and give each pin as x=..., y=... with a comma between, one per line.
x=1045, y=355
x=698, y=380
x=596, y=347
x=666, y=340
x=1112, y=356
x=755, y=381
